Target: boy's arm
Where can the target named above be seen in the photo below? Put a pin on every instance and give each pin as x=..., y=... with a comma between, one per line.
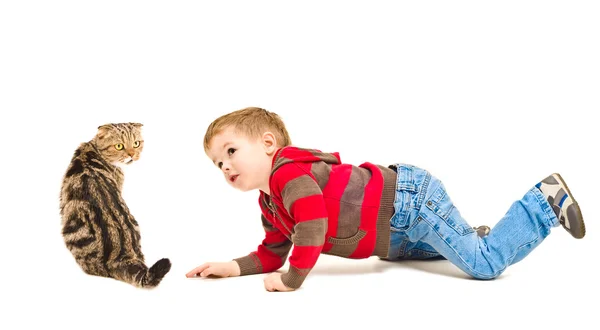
x=303, y=200
x=269, y=256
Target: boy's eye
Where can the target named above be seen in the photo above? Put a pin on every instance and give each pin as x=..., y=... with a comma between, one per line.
x=220, y=164
x=230, y=151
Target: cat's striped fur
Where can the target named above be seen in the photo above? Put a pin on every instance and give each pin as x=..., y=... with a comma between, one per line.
x=97, y=226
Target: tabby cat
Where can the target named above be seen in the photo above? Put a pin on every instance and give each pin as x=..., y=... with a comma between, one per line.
x=97, y=226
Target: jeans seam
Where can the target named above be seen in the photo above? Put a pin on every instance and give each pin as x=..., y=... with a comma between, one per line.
x=522, y=245
x=495, y=274
x=548, y=212
x=424, y=187
x=402, y=248
x=425, y=252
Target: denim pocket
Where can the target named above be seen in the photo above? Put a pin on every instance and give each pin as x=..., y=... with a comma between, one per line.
x=441, y=204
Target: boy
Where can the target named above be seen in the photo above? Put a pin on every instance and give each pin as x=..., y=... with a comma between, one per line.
x=312, y=201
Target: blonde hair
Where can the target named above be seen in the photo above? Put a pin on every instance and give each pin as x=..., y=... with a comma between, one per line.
x=252, y=122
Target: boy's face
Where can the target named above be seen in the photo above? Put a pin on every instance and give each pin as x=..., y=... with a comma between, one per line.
x=245, y=162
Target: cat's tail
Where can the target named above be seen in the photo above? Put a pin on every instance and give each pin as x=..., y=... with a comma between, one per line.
x=138, y=274
x=156, y=273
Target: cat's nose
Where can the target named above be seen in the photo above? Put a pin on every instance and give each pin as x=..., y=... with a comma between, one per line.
x=130, y=153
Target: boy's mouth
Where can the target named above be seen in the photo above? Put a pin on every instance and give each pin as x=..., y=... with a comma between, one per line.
x=233, y=178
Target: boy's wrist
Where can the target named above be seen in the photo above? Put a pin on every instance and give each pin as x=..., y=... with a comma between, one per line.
x=248, y=265
x=235, y=268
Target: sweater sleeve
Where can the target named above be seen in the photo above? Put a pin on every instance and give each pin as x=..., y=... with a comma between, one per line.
x=303, y=200
x=270, y=255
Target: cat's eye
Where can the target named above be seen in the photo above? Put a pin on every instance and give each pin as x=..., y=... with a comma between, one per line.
x=119, y=146
x=136, y=144
x=230, y=151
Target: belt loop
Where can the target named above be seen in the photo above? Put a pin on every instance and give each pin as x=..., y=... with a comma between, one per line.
x=406, y=179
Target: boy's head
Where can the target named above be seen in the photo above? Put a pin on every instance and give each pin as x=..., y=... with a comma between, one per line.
x=242, y=145
x=251, y=122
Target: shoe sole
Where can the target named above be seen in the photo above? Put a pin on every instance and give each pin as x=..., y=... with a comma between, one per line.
x=575, y=205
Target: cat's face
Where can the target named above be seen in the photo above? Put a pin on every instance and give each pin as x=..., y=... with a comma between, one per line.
x=120, y=144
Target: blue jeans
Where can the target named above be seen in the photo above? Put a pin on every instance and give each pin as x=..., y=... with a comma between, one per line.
x=426, y=224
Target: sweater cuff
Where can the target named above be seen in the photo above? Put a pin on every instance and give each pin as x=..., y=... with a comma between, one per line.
x=249, y=265
x=294, y=277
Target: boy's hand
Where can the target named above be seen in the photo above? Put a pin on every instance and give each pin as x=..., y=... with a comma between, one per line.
x=273, y=283
x=220, y=269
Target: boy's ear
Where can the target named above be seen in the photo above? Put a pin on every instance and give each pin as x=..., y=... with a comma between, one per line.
x=269, y=142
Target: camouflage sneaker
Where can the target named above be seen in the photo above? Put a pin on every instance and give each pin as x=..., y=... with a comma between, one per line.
x=565, y=207
x=482, y=231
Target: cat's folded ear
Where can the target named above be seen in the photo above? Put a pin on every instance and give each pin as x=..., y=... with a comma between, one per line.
x=103, y=130
x=136, y=125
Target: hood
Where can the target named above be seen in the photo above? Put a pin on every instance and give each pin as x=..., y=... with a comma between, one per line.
x=289, y=154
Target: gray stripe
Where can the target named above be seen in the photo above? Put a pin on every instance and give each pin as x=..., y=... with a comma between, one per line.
x=321, y=171
x=297, y=188
x=351, y=203
x=294, y=277
x=281, y=249
x=267, y=226
x=249, y=264
x=310, y=233
x=386, y=211
x=280, y=162
x=326, y=157
x=343, y=250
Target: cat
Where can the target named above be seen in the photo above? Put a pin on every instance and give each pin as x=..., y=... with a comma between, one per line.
x=97, y=226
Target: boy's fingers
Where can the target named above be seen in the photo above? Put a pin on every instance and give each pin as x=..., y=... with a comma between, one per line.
x=206, y=272
x=196, y=270
x=192, y=273
x=269, y=284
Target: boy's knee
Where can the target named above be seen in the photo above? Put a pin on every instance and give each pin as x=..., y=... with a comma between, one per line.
x=481, y=276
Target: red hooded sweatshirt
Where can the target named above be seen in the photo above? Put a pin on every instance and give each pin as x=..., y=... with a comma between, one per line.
x=320, y=205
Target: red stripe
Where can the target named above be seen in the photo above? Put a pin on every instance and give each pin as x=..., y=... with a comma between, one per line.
x=285, y=174
x=269, y=260
x=295, y=153
x=274, y=237
x=309, y=208
x=305, y=256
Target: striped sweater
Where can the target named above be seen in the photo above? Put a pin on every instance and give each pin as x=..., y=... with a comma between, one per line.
x=320, y=205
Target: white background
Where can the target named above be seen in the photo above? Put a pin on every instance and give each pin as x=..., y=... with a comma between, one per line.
x=490, y=98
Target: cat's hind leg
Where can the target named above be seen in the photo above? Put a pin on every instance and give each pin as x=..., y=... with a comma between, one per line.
x=80, y=237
